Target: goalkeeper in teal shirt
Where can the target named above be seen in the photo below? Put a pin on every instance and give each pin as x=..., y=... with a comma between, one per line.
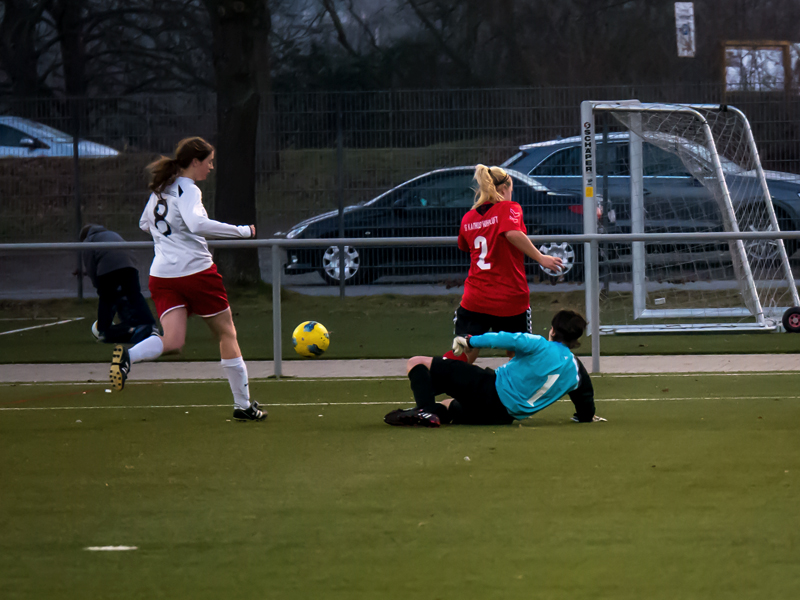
x=540, y=372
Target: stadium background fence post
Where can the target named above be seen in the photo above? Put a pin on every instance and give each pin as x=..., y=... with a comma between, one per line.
x=76, y=186
x=277, y=349
x=591, y=274
x=340, y=188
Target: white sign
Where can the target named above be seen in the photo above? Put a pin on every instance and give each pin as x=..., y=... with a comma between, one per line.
x=684, y=26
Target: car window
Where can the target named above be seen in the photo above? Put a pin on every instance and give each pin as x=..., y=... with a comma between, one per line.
x=11, y=137
x=567, y=162
x=562, y=163
x=441, y=190
x=660, y=163
x=612, y=160
x=656, y=162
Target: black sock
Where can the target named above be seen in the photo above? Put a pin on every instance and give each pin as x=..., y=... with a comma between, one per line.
x=441, y=411
x=422, y=386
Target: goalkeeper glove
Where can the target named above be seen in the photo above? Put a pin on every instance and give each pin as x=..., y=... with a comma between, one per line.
x=595, y=419
x=460, y=344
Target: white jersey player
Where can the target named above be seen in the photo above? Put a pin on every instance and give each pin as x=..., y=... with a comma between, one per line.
x=183, y=276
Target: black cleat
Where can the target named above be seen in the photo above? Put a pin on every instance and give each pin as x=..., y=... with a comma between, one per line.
x=411, y=417
x=251, y=413
x=120, y=367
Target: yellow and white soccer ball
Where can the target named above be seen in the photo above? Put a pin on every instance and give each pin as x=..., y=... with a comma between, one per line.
x=310, y=339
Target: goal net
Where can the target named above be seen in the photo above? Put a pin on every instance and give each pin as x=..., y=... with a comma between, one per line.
x=659, y=168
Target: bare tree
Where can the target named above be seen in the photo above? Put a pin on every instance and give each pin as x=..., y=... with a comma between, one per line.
x=241, y=63
x=19, y=46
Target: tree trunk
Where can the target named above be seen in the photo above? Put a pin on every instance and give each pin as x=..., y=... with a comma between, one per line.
x=239, y=27
x=19, y=57
x=68, y=16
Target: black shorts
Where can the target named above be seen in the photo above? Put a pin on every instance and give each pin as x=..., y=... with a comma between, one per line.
x=467, y=322
x=474, y=390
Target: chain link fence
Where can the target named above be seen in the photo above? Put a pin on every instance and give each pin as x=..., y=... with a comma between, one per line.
x=317, y=152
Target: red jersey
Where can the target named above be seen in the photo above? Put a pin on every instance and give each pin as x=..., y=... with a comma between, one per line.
x=496, y=284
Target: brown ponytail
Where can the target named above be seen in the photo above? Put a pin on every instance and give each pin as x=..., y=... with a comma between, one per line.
x=164, y=171
x=491, y=183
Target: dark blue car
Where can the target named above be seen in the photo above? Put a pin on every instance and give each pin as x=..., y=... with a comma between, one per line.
x=430, y=205
x=557, y=165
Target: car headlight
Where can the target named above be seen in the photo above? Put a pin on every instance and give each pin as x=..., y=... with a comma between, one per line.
x=296, y=231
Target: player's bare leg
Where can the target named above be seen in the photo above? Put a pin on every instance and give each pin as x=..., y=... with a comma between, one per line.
x=222, y=327
x=233, y=366
x=174, y=323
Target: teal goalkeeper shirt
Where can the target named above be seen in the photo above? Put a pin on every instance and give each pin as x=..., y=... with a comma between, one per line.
x=538, y=375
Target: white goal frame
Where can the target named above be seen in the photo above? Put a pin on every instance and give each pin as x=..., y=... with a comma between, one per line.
x=764, y=319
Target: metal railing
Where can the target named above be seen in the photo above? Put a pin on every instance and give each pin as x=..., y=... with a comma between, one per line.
x=591, y=244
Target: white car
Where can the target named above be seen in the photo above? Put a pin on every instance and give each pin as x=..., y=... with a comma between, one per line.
x=23, y=138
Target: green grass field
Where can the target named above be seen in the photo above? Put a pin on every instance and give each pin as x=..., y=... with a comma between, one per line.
x=387, y=326
x=688, y=491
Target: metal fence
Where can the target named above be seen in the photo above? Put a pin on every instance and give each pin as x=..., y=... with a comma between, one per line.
x=592, y=242
x=316, y=151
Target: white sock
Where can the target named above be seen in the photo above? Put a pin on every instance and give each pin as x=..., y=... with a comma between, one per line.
x=236, y=372
x=149, y=349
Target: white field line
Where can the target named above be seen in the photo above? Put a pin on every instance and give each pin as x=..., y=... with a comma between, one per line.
x=697, y=374
x=291, y=379
x=40, y=326
x=193, y=381
x=110, y=548
x=382, y=403
x=28, y=319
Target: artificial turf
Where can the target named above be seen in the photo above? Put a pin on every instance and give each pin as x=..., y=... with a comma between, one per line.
x=688, y=491
x=387, y=326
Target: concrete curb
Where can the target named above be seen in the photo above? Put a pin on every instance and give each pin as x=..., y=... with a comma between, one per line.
x=382, y=368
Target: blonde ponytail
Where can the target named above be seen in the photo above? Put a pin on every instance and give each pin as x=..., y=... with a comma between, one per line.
x=491, y=183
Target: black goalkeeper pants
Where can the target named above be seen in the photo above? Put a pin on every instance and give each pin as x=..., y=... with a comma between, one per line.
x=475, y=399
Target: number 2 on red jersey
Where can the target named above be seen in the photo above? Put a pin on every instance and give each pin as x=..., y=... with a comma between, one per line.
x=480, y=244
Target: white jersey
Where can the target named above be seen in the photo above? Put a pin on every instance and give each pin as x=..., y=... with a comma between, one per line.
x=179, y=227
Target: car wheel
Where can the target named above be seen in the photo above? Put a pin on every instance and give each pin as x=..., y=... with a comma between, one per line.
x=761, y=251
x=571, y=261
x=764, y=251
x=354, y=271
x=785, y=223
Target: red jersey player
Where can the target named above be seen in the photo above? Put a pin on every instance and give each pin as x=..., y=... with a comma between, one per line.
x=496, y=294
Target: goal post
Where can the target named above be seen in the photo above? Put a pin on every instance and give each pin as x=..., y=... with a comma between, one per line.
x=680, y=168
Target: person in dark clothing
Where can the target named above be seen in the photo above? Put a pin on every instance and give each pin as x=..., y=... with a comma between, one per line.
x=116, y=280
x=540, y=373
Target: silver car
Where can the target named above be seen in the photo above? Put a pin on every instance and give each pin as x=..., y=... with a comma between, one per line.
x=23, y=138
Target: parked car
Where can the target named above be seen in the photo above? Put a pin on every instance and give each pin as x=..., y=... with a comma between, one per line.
x=429, y=205
x=23, y=138
x=557, y=164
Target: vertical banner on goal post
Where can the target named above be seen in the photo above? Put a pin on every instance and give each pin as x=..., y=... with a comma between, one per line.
x=589, y=168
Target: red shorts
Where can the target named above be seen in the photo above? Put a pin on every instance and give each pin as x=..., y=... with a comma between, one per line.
x=201, y=293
